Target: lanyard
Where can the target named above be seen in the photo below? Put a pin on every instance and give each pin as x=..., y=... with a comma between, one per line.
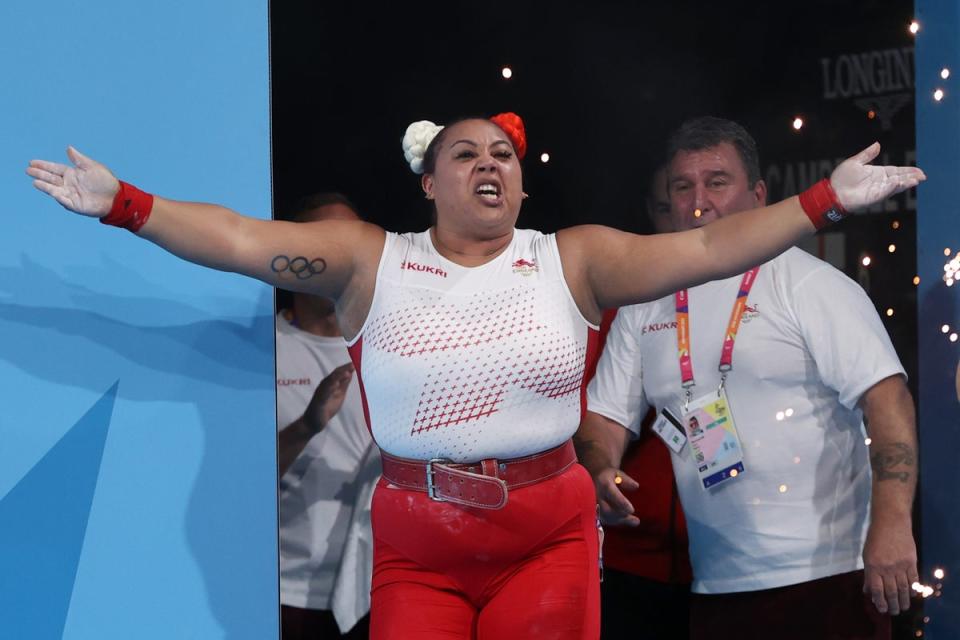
x=683, y=332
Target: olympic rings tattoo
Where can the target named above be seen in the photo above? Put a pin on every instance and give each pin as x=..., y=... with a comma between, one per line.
x=300, y=266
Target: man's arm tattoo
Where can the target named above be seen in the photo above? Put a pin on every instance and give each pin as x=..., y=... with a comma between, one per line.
x=299, y=267
x=886, y=457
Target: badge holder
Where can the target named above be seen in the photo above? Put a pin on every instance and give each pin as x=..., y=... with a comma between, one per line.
x=669, y=429
x=714, y=442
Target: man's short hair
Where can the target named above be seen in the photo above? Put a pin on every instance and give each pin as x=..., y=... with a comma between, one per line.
x=708, y=131
x=298, y=212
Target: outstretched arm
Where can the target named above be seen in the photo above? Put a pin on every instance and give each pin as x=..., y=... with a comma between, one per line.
x=620, y=268
x=313, y=257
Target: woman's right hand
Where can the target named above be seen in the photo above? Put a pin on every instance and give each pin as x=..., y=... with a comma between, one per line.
x=87, y=188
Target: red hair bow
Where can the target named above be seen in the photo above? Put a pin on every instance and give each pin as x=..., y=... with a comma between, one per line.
x=512, y=125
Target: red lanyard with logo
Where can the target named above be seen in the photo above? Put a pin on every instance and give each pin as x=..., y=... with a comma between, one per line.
x=683, y=332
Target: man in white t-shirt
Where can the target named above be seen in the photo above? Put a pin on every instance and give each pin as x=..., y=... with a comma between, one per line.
x=328, y=464
x=788, y=527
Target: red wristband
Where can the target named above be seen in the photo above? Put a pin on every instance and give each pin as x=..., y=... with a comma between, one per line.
x=821, y=205
x=131, y=208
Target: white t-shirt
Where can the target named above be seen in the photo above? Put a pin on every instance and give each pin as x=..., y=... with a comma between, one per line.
x=467, y=363
x=319, y=491
x=810, y=343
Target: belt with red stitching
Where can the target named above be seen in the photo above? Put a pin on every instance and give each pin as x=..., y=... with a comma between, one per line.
x=482, y=484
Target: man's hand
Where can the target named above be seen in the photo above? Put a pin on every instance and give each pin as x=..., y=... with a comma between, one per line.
x=859, y=185
x=87, y=188
x=890, y=566
x=615, y=509
x=328, y=398
x=890, y=554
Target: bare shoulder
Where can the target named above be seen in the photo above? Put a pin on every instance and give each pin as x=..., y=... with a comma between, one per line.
x=590, y=243
x=612, y=267
x=355, y=236
x=583, y=238
x=586, y=233
x=580, y=248
x=368, y=242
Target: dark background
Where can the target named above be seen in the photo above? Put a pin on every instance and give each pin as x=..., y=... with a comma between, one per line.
x=599, y=85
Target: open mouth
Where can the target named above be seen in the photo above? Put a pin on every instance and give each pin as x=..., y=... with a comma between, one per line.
x=489, y=192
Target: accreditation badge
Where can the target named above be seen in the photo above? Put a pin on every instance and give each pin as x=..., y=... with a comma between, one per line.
x=669, y=429
x=714, y=444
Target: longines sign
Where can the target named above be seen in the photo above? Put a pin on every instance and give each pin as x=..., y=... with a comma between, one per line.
x=879, y=82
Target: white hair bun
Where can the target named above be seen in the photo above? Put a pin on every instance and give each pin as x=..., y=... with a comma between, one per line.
x=416, y=140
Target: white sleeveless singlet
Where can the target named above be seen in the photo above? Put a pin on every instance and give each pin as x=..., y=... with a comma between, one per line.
x=467, y=363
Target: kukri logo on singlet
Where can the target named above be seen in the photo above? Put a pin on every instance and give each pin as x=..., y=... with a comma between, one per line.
x=416, y=266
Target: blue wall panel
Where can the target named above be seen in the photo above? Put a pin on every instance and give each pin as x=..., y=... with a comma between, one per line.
x=137, y=436
x=938, y=229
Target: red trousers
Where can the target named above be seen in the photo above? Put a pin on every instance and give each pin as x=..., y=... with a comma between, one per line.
x=529, y=570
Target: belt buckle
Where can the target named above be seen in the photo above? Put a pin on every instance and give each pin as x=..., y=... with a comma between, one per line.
x=431, y=488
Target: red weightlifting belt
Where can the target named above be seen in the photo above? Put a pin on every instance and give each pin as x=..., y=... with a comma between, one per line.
x=482, y=484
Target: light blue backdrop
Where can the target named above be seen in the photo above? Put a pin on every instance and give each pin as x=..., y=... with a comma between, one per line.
x=938, y=228
x=137, y=429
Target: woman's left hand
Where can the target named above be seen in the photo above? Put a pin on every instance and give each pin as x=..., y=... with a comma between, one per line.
x=859, y=185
